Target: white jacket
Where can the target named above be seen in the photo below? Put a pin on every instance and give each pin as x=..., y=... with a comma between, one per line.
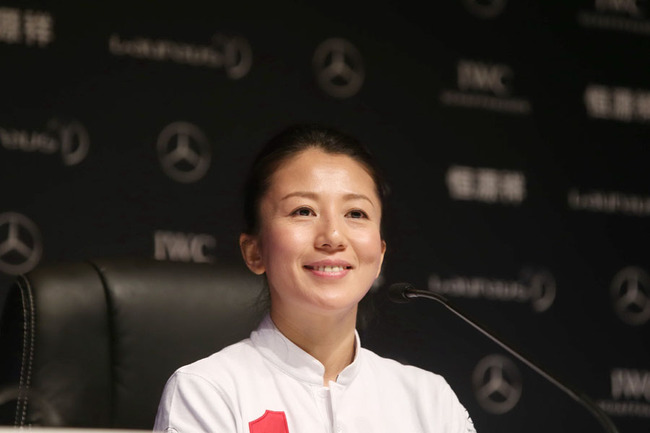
x=267, y=384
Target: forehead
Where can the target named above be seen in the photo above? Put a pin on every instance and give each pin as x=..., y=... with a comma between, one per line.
x=315, y=165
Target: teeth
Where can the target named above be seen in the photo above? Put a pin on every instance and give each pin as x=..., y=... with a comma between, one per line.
x=329, y=268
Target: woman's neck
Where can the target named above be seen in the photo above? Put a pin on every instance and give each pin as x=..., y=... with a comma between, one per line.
x=328, y=338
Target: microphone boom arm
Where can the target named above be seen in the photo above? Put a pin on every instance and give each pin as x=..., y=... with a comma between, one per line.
x=407, y=292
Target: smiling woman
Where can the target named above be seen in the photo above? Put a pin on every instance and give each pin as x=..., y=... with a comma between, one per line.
x=313, y=209
x=319, y=243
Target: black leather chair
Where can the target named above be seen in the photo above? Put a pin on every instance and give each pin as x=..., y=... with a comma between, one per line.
x=92, y=344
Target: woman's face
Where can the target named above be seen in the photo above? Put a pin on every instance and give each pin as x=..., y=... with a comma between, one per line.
x=319, y=241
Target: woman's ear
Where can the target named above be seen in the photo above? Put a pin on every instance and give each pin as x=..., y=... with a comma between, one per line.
x=250, y=251
x=383, y=253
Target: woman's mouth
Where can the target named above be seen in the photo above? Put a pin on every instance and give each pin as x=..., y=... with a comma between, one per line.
x=329, y=270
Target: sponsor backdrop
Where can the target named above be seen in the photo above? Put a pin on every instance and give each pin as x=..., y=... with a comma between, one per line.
x=515, y=136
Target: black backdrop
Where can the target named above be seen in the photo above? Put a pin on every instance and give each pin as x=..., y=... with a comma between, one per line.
x=514, y=134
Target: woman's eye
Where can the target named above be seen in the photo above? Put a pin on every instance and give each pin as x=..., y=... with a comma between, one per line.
x=357, y=214
x=303, y=211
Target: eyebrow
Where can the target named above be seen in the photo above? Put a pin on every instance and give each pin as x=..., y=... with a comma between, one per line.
x=314, y=196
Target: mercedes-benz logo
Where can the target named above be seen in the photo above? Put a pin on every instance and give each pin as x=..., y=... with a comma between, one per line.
x=20, y=243
x=485, y=8
x=73, y=138
x=497, y=384
x=237, y=55
x=184, y=152
x=338, y=67
x=541, y=284
x=630, y=292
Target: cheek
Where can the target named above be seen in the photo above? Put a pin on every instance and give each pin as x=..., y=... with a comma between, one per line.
x=285, y=246
x=369, y=248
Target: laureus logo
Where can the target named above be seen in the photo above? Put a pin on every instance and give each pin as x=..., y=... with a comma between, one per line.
x=69, y=138
x=534, y=285
x=233, y=54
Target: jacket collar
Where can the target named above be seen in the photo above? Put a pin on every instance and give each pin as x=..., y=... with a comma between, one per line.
x=290, y=358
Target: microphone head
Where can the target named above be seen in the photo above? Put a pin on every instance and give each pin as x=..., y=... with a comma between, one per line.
x=397, y=292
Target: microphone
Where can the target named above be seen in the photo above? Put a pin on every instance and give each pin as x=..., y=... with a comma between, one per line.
x=404, y=292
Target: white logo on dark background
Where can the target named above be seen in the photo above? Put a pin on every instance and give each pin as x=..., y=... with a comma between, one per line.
x=485, y=85
x=630, y=7
x=232, y=53
x=627, y=16
x=70, y=138
x=73, y=138
x=630, y=384
x=487, y=185
x=20, y=243
x=542, y=288
x=237, y=55
x=630, y=292
x=497, y=384
x=29, y=27
x=484, y=77
x=618, y=202
x=534, y=285
x=617, y=103
x=184, y=247
x=184, y=152
x=630, y=393
x=485, y=8
x=339, y=68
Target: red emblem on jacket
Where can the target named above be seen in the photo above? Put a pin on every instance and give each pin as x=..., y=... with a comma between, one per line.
x=270, y=422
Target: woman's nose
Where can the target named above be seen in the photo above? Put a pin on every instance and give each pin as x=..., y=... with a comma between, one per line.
x=330, y=235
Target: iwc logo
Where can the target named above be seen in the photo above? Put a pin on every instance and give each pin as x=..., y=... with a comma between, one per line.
x=630, y=393
x=184, y=247
x=486, y=86
x=630, y=291
x=497, y=384
x=339, y=68
x=485, y=8
x=629, y=16
x=184, y=152
x=20, y=243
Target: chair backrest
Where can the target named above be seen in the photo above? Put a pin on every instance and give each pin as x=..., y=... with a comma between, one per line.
x=92, y=344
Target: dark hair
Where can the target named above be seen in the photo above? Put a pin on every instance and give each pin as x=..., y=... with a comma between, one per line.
x=289, y=142
x=292, y=141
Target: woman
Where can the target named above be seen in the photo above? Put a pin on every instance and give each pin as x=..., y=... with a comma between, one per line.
x=313, y=207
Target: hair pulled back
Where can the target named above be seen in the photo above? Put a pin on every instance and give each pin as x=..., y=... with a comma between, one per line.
x=290, y=142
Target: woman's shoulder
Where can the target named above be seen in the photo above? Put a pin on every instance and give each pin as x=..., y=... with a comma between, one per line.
x=229, y=359
x=208, y=382
x=419, y=387
x=401, y=370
